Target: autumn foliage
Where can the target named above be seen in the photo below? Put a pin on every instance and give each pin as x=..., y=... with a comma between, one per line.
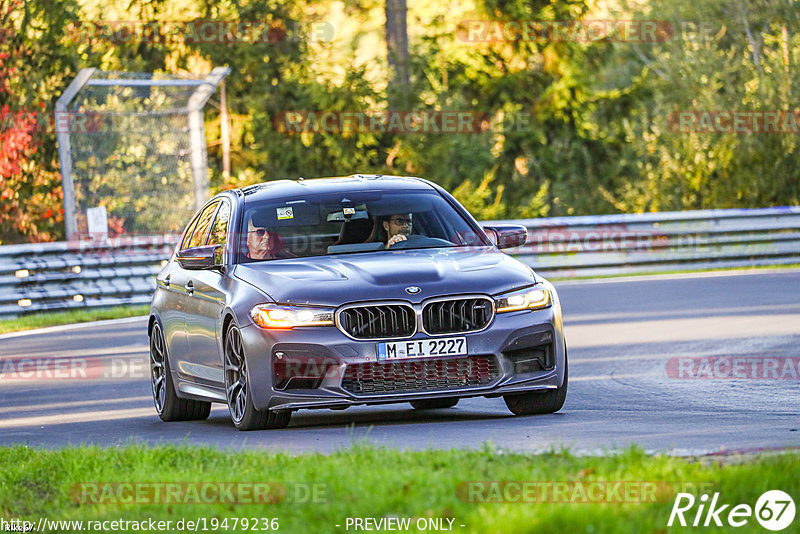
x=30, y=186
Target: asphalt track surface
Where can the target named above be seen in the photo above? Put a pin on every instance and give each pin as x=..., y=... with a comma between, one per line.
x=621, y=336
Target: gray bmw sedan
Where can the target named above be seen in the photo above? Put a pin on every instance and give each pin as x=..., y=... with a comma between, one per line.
x=335, y=292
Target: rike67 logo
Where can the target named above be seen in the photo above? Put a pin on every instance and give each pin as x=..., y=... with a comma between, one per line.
x=774, y=510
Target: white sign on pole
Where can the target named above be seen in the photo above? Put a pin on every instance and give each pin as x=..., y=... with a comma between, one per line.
x=97, y=220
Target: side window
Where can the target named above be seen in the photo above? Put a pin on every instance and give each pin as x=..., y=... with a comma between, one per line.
x=219, y=230
x=200, y=233
x=220, y=226
x=187, y=234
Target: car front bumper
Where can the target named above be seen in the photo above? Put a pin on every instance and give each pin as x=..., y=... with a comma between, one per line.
x=508, y=336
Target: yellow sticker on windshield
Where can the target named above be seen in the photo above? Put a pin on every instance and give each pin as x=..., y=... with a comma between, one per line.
x=285, y=213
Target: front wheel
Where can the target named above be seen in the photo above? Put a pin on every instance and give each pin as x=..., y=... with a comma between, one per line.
x=169, y=406
x=539, y=402
x=237, y=390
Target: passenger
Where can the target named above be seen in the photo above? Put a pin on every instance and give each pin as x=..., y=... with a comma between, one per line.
x=262, y=243
x=398, y=228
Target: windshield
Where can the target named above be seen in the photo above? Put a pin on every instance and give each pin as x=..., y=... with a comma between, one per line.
x=352, y=222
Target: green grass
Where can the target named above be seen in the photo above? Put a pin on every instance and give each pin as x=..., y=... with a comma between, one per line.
x=365, y=481
x=39, y=320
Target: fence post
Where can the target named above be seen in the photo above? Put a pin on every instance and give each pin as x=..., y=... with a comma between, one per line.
x=197, y=136
x=62, y=120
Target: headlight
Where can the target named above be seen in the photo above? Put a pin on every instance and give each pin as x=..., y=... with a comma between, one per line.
x=280, y=316
x=531, y=298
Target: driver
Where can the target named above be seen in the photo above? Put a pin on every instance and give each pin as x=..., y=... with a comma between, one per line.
x=398, y=228
x=263, y=244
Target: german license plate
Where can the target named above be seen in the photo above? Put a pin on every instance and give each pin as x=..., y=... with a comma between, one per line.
x=422, y=348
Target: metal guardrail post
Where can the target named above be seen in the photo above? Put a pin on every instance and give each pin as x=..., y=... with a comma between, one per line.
x=197, y=136
x=65, y=150
x=198, y=157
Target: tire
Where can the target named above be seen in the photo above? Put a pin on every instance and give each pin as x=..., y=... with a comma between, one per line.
x=540, y=402
x=244, y=414
x=168, y=405
x=433, y=404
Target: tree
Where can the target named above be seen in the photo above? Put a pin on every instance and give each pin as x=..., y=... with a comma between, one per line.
x=32, y=63
x=397, y=48
x=731, y=56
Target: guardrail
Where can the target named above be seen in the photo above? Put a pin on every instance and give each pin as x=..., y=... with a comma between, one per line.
x=80, y=274
x=606, y=245
x=66, y=275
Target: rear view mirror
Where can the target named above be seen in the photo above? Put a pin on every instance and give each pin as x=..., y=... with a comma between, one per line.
x=507, y=235
x=200, y=258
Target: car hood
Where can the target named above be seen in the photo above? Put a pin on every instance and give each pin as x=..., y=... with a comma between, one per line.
x=334, y=280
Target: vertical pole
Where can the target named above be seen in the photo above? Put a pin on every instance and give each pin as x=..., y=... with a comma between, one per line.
x=65, y=151
x=225, y=132
x=197, y=133
x=197, y=142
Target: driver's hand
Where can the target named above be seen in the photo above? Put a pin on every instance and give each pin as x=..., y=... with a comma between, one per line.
x=395, y=239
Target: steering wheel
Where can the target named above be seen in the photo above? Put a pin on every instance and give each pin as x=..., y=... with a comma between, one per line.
x=420, y=241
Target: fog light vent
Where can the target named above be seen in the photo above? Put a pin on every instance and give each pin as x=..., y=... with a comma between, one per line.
x=531, y=359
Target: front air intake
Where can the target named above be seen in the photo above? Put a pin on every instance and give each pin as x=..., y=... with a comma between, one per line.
x=378, y=321
x=456, y=316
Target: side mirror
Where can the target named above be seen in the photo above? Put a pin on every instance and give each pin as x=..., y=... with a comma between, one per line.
x=491, y=233
x=200, y=258
x=507, y=235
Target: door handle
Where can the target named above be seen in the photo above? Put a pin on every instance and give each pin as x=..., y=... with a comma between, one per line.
x=189, y=287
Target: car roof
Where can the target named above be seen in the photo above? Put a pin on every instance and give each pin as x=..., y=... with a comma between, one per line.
x=340, y=184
